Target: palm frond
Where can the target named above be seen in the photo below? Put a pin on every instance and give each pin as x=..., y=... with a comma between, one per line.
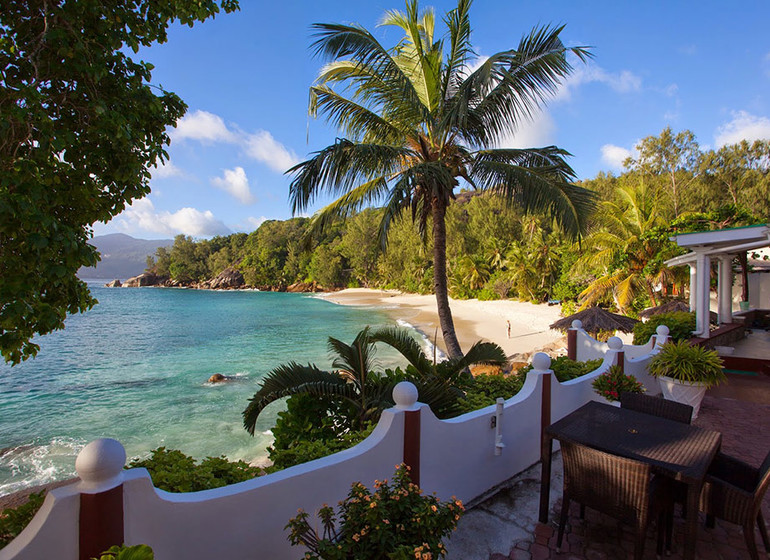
x=294, y=379
x=340, y=167
x=402, y=340
x=536, y=180
x=487, y=353
x=459, y=29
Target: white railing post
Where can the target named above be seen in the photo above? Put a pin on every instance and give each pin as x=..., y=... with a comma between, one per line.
x=405, y=396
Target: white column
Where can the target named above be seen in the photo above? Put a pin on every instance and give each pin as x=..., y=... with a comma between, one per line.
x=725, y=290
x=702, y=308
x=693, y=286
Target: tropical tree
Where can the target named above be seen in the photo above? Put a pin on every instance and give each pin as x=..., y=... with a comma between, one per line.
x=417, y=120
x=622, y=248
x=364, y=393
x=82, y=126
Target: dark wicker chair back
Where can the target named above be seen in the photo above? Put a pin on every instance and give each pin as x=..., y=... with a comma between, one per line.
x=656, y=406
x=613, y=485
x=734, y=491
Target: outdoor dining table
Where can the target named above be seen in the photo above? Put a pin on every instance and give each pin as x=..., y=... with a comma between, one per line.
x=680, y=451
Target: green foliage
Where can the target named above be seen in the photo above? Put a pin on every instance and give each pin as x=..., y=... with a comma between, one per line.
x=680, y=326
x=613, y=382
x=303, y=450
x=565, y=369
x=485, y=389
x=689, y=363
x=80, y=127
x=396, y=521
x=137, y=552
x=13, y=520
x=173, y=471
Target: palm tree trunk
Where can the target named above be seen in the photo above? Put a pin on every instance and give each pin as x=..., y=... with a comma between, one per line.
x=438, y=211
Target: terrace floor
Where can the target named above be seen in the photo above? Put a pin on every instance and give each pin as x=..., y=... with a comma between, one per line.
x=505, y=526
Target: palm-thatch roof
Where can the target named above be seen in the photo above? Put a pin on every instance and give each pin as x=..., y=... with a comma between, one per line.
x=597, y=319
x=668, y=307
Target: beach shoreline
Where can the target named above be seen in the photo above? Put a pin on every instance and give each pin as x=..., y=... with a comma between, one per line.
x=474, y=320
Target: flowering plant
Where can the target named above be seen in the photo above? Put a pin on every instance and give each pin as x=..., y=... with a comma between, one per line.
x=396, y=521
x=613, y=382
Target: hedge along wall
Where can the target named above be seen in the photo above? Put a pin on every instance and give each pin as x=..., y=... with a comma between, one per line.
x=455, y=457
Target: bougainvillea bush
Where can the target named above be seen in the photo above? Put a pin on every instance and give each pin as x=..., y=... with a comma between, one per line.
x=613, y=382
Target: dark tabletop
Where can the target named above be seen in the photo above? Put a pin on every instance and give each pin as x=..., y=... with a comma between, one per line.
x=679, y=450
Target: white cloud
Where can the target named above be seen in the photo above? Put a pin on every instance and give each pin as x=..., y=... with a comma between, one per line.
x=744, y=126
x=141, y=215
x=538, y=132
x=203, y=126
x=671, y=90
x=165, y=170
x=235, y=182
x=260, y=145
x=614, y=156
x=623, y=82
x=263, y=147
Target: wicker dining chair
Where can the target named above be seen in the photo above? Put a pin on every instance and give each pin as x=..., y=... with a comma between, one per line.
x=678, y=412
x=733, y=491
x=619, y=487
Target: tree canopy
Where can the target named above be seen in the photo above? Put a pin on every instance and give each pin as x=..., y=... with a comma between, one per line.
x=80, y=127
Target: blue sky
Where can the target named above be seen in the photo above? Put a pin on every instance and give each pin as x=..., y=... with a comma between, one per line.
x=702, y=66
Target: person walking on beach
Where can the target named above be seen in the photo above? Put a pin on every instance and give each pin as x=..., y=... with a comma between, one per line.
x=509, y=329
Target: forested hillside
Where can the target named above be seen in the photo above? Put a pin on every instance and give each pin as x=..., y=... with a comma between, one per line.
x=496, y=252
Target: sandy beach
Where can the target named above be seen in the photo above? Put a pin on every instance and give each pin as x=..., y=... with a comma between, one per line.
x=474, y=320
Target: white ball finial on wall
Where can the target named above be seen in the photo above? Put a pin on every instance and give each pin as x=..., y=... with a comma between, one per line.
x=405, y=395
x=615, y=343
x=541, y=361
x=662, y=330
x=100, y=464
x=577, y=324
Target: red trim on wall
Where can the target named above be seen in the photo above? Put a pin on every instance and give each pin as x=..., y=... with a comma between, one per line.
x=101, y=522
x=545, y=409
x=572, y=344
x=412, y=444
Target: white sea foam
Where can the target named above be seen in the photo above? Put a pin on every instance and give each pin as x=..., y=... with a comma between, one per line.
x=427, y=344
x=36, y=464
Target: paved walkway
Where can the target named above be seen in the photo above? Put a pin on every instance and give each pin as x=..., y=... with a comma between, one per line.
x=505, y=526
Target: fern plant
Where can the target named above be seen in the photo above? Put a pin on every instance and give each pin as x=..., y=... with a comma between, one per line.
x=687, y=363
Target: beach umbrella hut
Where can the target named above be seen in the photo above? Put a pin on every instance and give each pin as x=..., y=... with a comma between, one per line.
x=596, y=319
x=668, y=307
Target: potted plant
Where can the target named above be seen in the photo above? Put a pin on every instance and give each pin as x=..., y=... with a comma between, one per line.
x=685, y=371
x=612, y=382
x=396, y=521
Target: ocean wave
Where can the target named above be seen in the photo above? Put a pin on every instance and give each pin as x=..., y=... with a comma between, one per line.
x=427, y=345
x=41, y=463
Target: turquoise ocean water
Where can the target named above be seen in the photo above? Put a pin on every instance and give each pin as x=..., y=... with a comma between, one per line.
x=135, y=368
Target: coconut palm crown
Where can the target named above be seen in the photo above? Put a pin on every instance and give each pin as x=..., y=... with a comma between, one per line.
x=416, y=119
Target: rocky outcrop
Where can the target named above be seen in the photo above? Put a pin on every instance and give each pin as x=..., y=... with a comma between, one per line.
x=144, y=279
x=303, y=287
x=114, y=284
x=229, y=279
x=219, y=378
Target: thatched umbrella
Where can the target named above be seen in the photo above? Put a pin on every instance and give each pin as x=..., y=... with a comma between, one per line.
x=668, y=307
x=596, y=319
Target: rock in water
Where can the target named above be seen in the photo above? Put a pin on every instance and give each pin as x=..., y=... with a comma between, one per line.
x=218, y=378
x=144, y=279
x=114, y=284
x=229, y=278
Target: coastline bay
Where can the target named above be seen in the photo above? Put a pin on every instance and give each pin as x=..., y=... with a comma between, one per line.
x=136, y=368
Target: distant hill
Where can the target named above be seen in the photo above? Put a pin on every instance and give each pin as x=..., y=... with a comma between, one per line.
x=122, y=256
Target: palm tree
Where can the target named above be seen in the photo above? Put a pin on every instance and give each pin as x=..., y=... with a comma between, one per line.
x=365, y=393
x=417, y=120
x=622, y=249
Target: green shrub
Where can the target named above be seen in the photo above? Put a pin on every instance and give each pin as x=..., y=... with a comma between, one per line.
x=302, y=451
x=395, y=521
x=485, y=389
x=690, y=364
x=13, y=520
x=680, y=326
x=138, y=552
x=565, y=369
x=173, y=471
